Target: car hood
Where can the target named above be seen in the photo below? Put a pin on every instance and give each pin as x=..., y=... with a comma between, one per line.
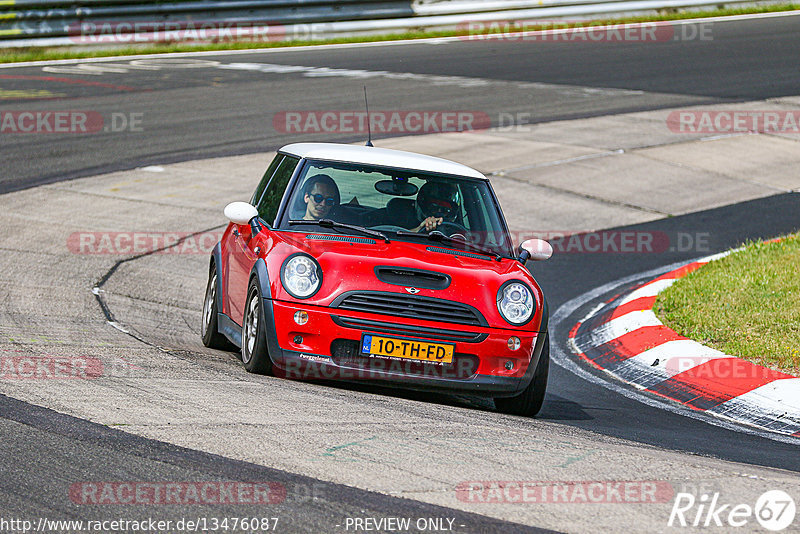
x=359, y=264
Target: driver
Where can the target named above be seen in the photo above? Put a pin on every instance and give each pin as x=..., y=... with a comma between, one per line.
x=320, y=196
x=437, y=202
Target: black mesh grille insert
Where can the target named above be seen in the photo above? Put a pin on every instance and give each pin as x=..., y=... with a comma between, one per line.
x=346, y=354
x=415, y=307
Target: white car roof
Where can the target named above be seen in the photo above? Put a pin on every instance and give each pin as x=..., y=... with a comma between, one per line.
x=379, y=156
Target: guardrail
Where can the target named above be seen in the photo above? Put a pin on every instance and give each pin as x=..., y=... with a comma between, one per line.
x=83, y=16
x=54, y=23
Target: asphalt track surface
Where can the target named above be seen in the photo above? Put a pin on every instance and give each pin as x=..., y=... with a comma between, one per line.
x=190, y=113
x=205, y=112
x=65, y=445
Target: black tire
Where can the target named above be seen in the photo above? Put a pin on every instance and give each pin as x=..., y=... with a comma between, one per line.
x=209, y=330
x=529, y=402
x=255, y=355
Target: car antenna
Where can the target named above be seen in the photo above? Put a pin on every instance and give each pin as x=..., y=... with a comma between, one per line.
x=369, y=130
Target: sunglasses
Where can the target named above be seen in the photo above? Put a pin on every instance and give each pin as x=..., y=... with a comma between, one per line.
x=441, y=208
x=330, y=201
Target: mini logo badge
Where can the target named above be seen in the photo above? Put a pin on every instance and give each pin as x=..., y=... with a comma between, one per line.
x=412, y=290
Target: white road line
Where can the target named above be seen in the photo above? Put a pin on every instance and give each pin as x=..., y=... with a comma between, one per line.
x=327, y=72
x=721, y=255
x=99, y=69
x=289, y=49
x=593, y=312
x=118, y=326
x=94, y=69
x=459, y=81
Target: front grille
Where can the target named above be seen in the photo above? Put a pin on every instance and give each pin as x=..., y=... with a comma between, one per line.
x=345, y=353
x=410, y=306
x=408, y=331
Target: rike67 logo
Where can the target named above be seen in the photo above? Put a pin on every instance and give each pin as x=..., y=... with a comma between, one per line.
x=774, y=510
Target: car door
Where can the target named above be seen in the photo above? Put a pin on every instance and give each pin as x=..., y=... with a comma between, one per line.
x=243, y=246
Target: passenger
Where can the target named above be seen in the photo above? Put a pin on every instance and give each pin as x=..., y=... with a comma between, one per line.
x=320, y=194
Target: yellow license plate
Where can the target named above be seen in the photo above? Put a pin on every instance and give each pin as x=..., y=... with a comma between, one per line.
x=406, y=348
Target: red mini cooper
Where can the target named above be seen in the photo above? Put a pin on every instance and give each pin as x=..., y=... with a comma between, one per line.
x=362, y=263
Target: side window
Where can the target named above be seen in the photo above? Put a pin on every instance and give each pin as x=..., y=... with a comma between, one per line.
x=268, y=206
x=265, y=179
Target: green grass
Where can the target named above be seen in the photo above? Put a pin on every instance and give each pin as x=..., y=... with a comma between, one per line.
x=12, y=55
x=746, y=304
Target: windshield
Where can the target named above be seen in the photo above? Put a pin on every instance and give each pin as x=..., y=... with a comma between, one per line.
x=392, y=201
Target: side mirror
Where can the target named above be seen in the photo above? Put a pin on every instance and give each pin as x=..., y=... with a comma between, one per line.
x=243, y=213
x=534, y=249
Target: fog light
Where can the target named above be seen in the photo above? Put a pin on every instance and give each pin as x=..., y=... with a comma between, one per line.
x=298, y=340
x=513, y=342
x=301, y=317
x=509, y=365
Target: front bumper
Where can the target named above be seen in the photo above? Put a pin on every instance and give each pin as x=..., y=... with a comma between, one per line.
x=327, y=348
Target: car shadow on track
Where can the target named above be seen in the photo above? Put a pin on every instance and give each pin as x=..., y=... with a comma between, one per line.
x=558, y=408
x=555, y=408
x=479, y=403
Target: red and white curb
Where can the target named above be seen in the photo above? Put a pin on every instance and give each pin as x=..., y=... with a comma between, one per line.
x=625, y=338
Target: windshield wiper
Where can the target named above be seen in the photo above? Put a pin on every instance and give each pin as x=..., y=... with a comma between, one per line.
x=328, y=223
x=436, y=235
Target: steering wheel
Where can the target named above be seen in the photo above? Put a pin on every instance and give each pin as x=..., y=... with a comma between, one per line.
x=449, y=228
x=388, y=228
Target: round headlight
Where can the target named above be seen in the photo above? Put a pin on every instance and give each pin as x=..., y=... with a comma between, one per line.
x=301, y=276
x=515, y=302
